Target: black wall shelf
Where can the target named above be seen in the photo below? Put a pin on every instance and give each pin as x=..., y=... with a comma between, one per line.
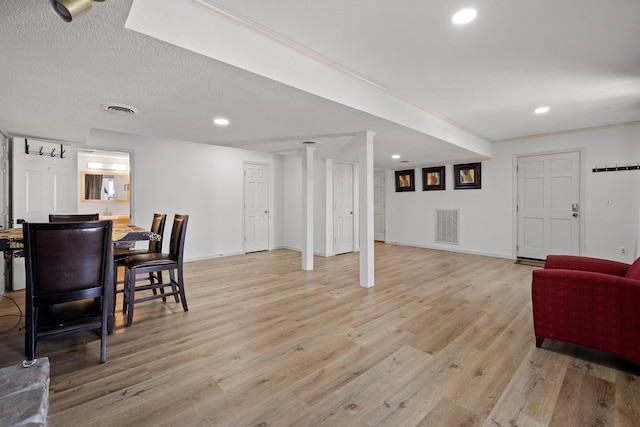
x=616, y=168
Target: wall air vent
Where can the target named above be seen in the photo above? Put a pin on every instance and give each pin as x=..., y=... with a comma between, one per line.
x=447, y=226
x=119, y=109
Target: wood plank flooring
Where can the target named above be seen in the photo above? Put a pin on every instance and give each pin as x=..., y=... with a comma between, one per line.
x=443, y=339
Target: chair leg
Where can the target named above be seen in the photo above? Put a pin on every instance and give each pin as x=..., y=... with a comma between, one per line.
x=539, y=342
x=154, y=278
x=103, y=334
x=115, y=285
x=125, y=291
x=181, y=288
x=131, y=289
x=175, y=287
x=30, y=345
x=159, y=279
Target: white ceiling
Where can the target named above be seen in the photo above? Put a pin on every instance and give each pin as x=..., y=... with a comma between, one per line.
x=431, y=91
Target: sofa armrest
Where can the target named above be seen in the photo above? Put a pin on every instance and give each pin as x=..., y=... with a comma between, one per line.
x=582, y=263
x=592, y=309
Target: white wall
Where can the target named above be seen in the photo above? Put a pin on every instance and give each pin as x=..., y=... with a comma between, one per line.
x=292, y=211
x=320, y=207
x=487, y=216
x=293, y=205
x=165, y=170
x=204, y=181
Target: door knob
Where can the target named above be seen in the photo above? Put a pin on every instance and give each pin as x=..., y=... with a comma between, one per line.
x=575, y=214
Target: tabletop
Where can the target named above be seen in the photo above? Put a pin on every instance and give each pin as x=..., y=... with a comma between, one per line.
x=11, y=240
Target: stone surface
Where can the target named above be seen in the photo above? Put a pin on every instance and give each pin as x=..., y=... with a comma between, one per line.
x=24, y=394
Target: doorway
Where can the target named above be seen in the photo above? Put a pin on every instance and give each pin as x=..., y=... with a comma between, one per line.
x=343, y=228
x=549, y=205
x=256, y=207
x=43, y=181
x=379, y=214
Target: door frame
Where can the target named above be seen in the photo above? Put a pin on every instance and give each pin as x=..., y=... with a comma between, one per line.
x=131, y=172
x=514, y=195
x=270, y=215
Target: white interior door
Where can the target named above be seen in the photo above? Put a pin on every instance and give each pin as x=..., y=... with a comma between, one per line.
x=41, y=184
x=549, y=205
x=342, y=208
x=378, y=207
x=256, y=207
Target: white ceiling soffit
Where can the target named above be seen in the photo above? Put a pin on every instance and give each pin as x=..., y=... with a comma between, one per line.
x=204, y=27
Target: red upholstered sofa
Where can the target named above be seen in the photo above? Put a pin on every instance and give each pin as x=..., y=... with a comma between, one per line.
x=588, y=301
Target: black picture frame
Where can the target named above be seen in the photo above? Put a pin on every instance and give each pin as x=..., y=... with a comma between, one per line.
x=433, y=178
x=405, y=180
x=467, y=176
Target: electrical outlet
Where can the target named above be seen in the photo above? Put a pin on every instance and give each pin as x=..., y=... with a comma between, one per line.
x=623, y=251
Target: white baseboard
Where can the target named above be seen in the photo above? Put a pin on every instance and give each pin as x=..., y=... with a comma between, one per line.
x=451, y=249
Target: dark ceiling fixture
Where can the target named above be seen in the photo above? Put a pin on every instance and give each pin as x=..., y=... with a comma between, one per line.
x=71, y=9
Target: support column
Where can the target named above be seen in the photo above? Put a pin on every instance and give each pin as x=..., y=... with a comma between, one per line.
x=365, y=155
x=307, y=208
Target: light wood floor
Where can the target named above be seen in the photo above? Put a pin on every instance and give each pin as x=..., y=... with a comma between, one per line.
x=443, y=339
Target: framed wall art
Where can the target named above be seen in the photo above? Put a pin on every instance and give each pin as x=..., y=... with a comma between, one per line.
x=467, y=176
x=433, y=178
x=405, y=180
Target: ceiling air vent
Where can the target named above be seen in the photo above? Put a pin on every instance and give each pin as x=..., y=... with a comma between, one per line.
x=119, y=109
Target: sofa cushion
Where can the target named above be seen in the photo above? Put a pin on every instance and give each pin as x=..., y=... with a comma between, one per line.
x=634, y=271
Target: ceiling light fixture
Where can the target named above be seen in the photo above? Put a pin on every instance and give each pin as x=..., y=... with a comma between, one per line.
x=71, y=9
x=221, y=121
x=464, y=16
x=541, y=110
x=395, y=156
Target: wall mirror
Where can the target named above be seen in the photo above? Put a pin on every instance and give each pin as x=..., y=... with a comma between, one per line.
x=104, y=186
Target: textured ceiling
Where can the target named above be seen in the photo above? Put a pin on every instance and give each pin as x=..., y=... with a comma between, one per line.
x=485, y=78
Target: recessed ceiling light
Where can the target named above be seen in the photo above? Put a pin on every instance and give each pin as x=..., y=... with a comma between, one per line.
x=464, y=16
x=395, y=156
x=221, y=121
x=541, y=110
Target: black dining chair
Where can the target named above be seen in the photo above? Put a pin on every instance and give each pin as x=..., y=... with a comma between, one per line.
x=155, y=246
x=73, y=217
x=67, y=285
x=155, y=263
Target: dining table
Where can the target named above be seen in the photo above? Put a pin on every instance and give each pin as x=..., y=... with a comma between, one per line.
x=12, y=245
